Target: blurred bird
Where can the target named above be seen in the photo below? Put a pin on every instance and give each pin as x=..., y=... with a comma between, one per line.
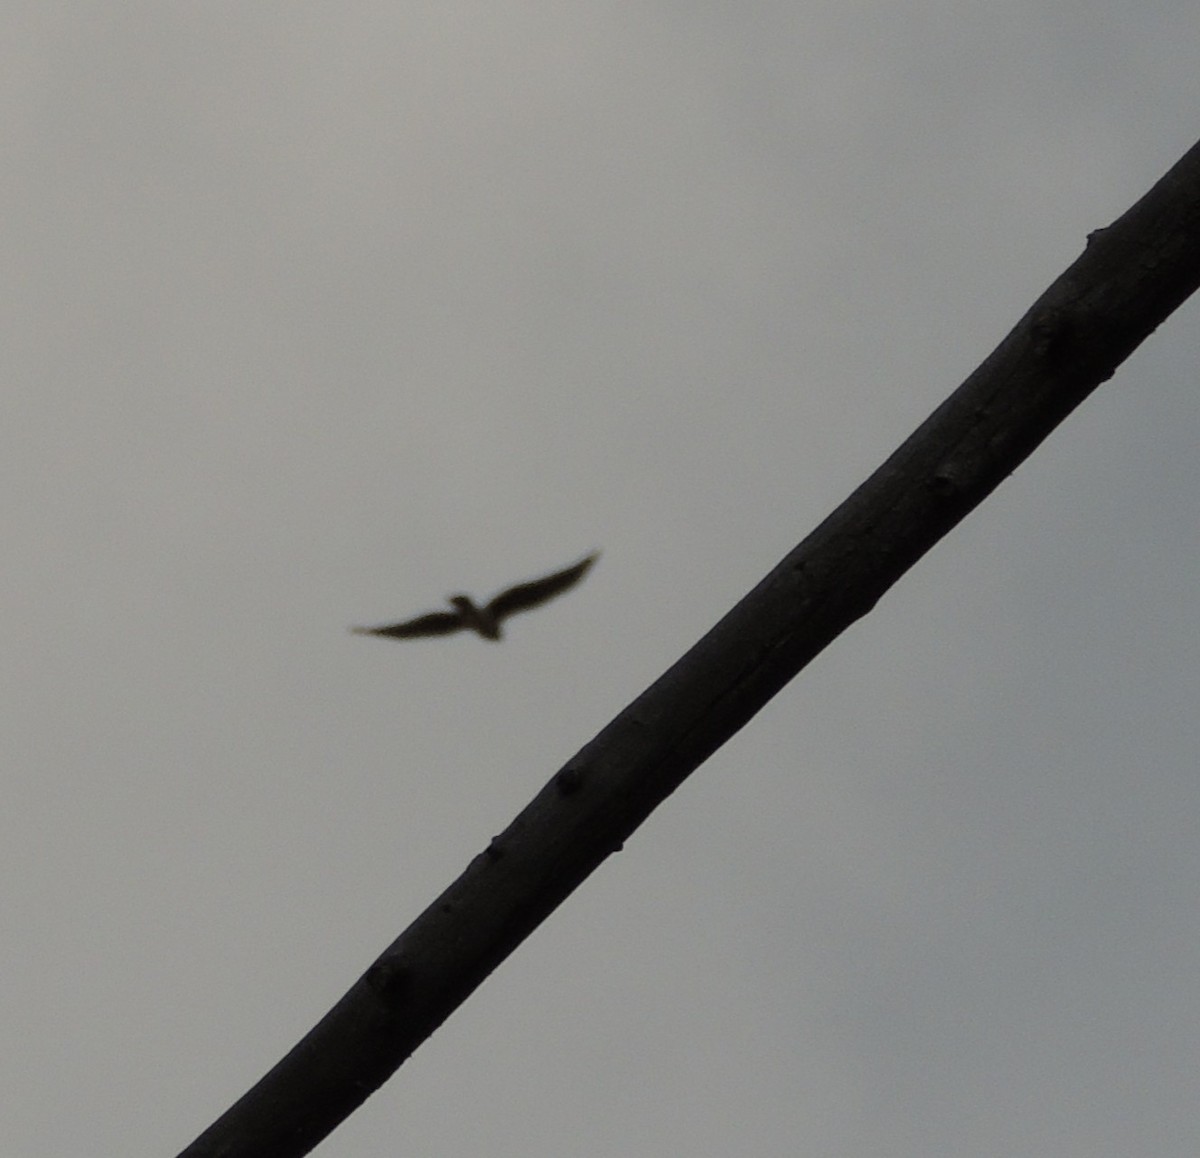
x=486, y=620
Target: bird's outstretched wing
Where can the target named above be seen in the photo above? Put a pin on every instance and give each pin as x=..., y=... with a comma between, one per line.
x=526, y=595
x=435, y=623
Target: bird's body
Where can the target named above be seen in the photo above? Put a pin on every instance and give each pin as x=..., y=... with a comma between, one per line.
x=479, y=619
x=486, y=620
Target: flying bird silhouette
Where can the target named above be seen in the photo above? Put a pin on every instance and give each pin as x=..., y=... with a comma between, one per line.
x=486, y=620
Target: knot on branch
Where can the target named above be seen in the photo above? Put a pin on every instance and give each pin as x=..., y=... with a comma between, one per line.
x=389, y=979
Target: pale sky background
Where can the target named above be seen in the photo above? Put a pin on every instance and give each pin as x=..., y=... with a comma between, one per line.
x=315, y=313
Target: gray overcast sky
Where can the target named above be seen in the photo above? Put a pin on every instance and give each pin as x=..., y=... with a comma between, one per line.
x=315, y=313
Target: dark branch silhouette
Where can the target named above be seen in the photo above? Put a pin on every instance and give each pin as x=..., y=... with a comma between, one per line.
x=486, y=620
x=1130, y=277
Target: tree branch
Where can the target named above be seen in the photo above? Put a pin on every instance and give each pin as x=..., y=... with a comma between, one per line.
x=1130, y=277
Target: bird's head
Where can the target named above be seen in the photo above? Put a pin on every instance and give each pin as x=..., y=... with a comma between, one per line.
x=477, y=618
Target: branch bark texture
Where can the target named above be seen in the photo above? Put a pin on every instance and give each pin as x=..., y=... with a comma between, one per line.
x=1130, y=277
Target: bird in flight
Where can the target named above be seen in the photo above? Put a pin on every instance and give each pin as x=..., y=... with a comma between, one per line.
x=486, y=620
